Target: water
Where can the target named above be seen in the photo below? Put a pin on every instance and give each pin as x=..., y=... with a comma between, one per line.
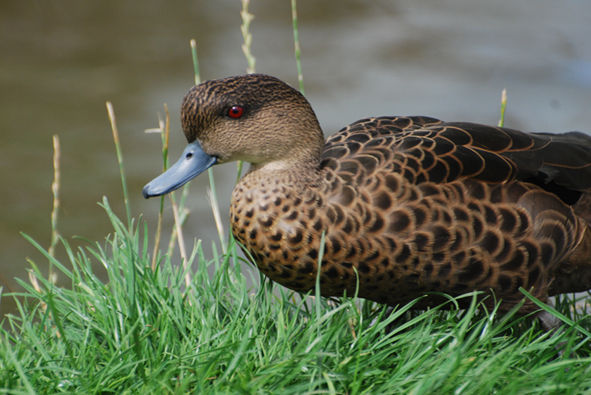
x=61, y=60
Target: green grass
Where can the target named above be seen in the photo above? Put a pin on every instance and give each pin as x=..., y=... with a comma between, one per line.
x=141, y=330
x=195, y=325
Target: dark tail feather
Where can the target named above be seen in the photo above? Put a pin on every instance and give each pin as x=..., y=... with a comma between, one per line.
x=566, y=159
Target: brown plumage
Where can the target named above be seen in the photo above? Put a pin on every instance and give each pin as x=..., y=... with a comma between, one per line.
x=407, y=205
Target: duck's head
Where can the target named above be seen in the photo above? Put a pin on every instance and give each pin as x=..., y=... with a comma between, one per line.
x=255, y=118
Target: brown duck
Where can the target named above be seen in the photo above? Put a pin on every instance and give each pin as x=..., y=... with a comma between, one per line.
x=407, y=205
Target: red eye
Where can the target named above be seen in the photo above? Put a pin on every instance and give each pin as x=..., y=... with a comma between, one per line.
x=235, y=112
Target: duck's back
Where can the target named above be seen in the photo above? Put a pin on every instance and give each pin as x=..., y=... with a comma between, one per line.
x=432, y=150
x=416, y=204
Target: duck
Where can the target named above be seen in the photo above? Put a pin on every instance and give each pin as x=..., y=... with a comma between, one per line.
x=392, y=208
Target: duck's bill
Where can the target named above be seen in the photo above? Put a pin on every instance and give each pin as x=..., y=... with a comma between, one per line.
x=192, y=162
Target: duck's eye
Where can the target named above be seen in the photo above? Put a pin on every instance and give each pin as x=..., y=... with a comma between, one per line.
x=235, y=112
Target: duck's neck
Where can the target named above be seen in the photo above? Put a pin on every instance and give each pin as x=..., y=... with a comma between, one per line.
x=285, y=166
x=295, y=175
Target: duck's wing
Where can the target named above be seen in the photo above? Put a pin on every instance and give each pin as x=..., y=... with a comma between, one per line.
x=427, y=149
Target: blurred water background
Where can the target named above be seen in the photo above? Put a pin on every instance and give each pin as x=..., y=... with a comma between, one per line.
x=61, y=60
